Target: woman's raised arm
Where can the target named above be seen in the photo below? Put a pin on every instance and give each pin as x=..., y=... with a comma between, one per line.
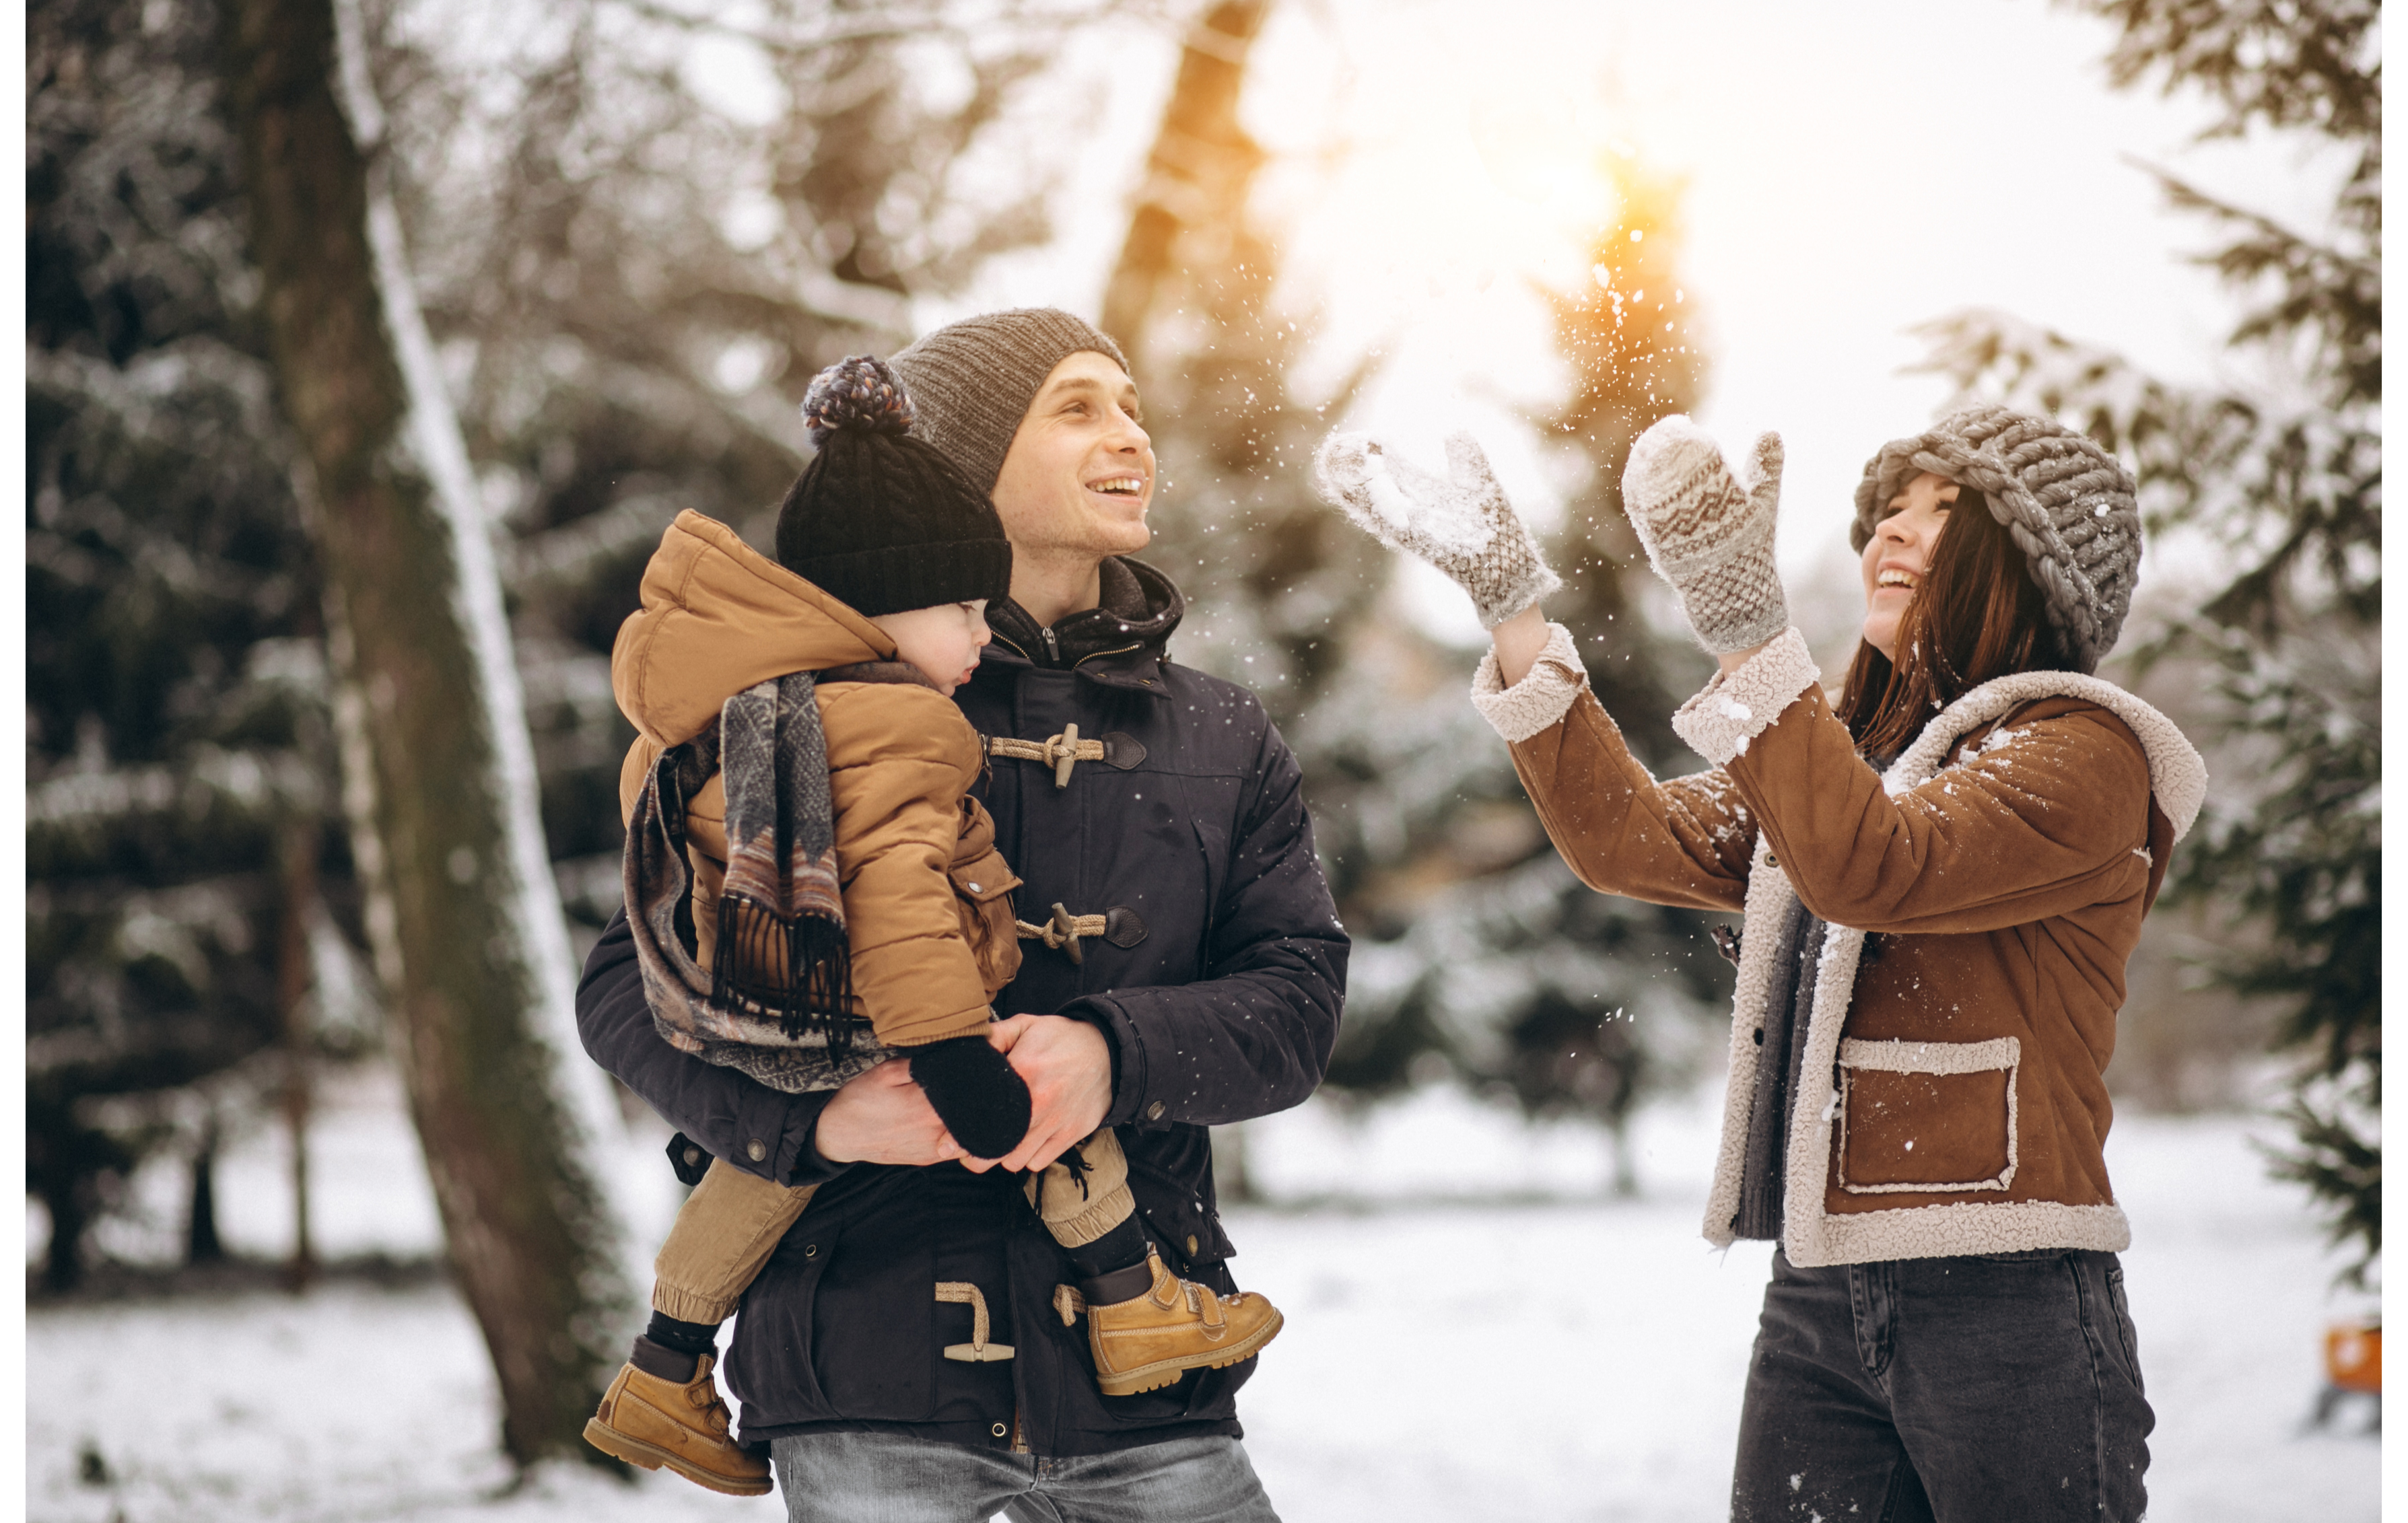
x=1519, y=640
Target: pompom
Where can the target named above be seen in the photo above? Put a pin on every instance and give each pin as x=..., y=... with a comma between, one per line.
x=857, y=394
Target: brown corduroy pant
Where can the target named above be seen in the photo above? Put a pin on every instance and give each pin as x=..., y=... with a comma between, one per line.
x=728, y=1228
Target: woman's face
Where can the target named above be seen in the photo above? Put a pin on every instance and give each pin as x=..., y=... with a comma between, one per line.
x=1899, y=553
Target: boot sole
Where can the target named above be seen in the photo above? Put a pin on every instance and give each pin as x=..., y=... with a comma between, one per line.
x=634, y=1451
x=1146, y=1377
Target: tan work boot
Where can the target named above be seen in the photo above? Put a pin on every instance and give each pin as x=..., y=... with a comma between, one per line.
x=650, y=1421
x=1151, y=1340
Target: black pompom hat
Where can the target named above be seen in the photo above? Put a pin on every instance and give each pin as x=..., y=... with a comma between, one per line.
x=879, y=518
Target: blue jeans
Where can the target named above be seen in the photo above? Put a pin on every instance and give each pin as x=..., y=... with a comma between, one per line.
x=895, y=1478
x=1996, y=1387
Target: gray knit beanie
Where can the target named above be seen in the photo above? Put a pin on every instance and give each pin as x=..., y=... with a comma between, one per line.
x=2067, y=503
x=971, y=381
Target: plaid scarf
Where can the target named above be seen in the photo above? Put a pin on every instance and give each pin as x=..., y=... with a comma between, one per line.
x=775, y=1002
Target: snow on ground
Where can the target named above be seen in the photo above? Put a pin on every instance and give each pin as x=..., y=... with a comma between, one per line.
x=1474, y=1333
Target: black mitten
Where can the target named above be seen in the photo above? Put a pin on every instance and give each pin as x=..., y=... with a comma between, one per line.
x=975, y=1091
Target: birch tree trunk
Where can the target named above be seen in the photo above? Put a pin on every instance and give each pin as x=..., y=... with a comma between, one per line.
x=464, y=917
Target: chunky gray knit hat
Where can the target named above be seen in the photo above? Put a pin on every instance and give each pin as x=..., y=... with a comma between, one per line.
x=971, y=381
x=2066, y=502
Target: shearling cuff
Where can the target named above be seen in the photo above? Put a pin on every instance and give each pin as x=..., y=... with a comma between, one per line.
x=1542, y=695
x=1736, y=706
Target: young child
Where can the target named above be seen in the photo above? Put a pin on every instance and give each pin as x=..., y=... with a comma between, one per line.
x=811, y=890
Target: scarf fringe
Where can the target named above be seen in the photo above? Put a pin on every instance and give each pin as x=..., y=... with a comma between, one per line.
x=797, y=973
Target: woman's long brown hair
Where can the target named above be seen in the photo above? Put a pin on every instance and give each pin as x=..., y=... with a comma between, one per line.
x=1977, y=615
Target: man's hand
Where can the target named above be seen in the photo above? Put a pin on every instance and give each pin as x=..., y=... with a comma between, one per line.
x=1067, y=1064
x=882, y=1116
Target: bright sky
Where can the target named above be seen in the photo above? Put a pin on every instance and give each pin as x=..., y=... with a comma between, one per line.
x=1852, y=170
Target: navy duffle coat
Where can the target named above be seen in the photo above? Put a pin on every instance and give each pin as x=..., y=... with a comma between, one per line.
x=1218, y=987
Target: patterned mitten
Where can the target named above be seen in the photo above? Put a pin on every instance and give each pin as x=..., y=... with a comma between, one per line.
x=1462, y=525
x=1708, y=532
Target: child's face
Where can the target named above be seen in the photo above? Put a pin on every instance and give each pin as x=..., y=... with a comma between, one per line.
x=943, y=642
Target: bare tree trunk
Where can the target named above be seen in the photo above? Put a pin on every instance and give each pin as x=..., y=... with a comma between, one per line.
x=300, y=885
x=1233, y=1180
x=1625, y=1161
x=1198, y=175
x=439, y=776
x=201, y=1242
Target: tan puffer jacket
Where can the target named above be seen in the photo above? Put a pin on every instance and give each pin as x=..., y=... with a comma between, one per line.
x=927, y=901
x=1951, y=1097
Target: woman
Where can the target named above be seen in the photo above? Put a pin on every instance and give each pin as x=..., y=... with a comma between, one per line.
x=1942, y=873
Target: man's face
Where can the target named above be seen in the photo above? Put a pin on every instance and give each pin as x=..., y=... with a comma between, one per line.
x=1079, y=477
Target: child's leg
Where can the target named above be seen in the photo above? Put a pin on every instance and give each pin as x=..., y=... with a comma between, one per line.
x=1145, y=1325
x=663, y=1408
x=1084, y=1199
x=724, y=1233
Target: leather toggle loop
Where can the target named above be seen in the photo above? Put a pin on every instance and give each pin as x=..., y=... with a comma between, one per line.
x=1068, y=1304
x=978, y=1350
x=1063, y=751
x=1121, y=926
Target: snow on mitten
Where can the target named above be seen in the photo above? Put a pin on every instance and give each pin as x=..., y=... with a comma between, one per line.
x=1462, y=525
x=1708, y=533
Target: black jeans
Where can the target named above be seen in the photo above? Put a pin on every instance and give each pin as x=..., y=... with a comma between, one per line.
x=1959, y=1390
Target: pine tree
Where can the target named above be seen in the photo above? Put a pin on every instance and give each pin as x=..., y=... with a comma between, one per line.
x=1476, y=953
x=1574, y=1003
x=2287, y=476
x=620, y=344
x=1271, y=576
x=176, y=734
x=634, y=338
x=1578, y=1049
x=1268, y=571
x=1626, y=335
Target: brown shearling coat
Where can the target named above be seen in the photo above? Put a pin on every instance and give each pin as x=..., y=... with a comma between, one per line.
x=926, y=896
x=1952, y=1098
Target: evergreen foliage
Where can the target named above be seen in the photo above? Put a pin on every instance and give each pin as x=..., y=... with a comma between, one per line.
x=2285, y=474
x=1606, y=1000
x=628, y=338
x=623, y=337
x=1477, y=954
x=174, y=720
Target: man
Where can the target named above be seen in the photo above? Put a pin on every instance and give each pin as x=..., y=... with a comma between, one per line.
x=1184, y=968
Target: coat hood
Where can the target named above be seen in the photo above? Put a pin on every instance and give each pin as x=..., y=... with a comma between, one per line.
x=716, y=616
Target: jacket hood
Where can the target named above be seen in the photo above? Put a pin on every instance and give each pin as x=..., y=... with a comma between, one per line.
x=716, y=616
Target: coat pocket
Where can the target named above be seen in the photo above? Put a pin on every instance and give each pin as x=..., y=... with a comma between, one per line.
x=873, y=1346
x=1927, y=1117
x=982, y=888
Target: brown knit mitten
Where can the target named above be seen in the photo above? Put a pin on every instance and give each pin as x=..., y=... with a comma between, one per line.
x=1463, y=525
x=1708, y=531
